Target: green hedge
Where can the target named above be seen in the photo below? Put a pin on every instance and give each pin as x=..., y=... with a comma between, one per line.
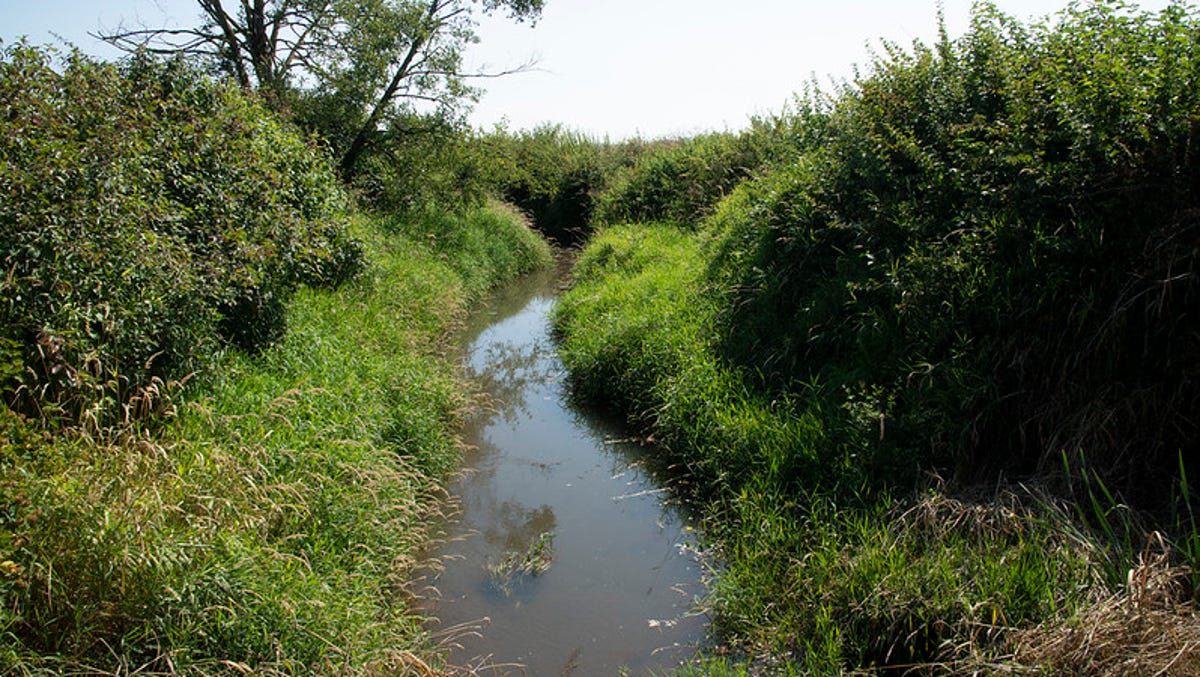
x=993, y=247
x=149, y=216
x=554, y=175
x=978, y=261
x=679, y=181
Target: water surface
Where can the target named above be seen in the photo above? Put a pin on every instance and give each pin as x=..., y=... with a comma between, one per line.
x=622, y=579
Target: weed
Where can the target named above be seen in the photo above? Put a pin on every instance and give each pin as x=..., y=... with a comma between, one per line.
x=513, y=566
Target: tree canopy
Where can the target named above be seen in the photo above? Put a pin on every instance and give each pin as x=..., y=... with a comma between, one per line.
x=345, y=67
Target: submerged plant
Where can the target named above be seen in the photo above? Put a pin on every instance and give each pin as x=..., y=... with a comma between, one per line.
x=535, y=560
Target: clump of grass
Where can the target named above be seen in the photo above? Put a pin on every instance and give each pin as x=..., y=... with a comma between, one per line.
x=535, y=560
x=1148, y=627
x=891, y=583
x=480, y=245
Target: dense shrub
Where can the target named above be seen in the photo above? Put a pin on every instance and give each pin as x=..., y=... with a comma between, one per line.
x=149, y=214
x=554, y=175
x=680, y=181
x=994, y=247
x=422, y=163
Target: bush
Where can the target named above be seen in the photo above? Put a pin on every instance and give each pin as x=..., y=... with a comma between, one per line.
x=679, y=181
x=993, y=246
x=150, y=215
x=554, y=175
x=422, y=163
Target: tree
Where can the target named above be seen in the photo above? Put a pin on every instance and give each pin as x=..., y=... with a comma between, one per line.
x=354, y=65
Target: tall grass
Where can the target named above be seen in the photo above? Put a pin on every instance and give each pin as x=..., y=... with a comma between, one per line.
x=818, y=564
x=270, y=525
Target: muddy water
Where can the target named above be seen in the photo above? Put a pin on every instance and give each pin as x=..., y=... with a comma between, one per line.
x=569, y=556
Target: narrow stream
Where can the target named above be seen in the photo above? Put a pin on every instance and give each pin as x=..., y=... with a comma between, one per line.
x=568, y=555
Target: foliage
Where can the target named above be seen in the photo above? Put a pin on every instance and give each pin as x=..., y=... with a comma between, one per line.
x=994, y=246
x=149, y=215
x=554, y=175
x=679, y=181
x=352, y=67
x=637, y=332
x=976, y=260
x=571, y=184
x=422, y=162
x=551, y=174
x=271, y=526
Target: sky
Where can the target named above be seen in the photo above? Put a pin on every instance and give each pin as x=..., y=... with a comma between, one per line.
x=619, y=68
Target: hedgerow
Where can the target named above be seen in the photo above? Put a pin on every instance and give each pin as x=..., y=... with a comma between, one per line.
x=994, y=248
x=150, y=216
x=554, y=175
x=977, y=263
x=678, y=181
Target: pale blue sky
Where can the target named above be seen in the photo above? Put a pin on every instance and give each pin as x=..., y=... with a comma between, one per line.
x=622, y=67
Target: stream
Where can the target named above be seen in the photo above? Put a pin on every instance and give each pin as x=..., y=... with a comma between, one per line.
x=567, y=557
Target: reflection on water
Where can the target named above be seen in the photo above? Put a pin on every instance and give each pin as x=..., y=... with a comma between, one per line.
x=619, y=590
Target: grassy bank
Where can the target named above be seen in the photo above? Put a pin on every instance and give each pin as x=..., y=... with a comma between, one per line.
x=927, y=361
x=833, y=571
x=226, y=407
x=269, y=522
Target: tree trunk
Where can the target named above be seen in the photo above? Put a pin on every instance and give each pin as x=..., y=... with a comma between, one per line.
x=363, y=137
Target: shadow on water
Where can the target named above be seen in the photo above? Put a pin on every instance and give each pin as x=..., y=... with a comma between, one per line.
x=578, y=559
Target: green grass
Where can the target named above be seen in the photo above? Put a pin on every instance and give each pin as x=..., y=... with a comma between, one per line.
x=270, y=525
x=822, y=569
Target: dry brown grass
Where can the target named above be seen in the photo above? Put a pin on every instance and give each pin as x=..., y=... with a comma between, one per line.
x=1002, y=515
x=1150, y=627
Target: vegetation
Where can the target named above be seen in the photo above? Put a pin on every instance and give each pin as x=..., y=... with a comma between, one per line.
x=346, y=69
x=571, y=184
x=514, y=567
x=680, y=181
x=553, y=174
x=184, y=491
x=925, y=344
x=976, y=262
x=150, y=214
